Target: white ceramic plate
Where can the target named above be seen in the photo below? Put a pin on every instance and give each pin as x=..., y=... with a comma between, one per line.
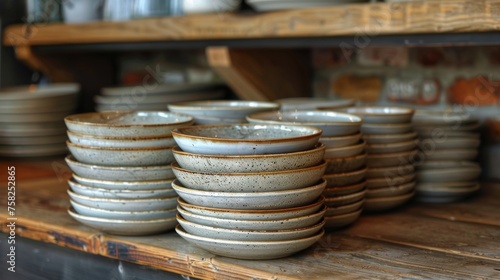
x=382, y=115
x=120, y=142
x=124, y=185
x=122, y=215
x=445, y=195
x=117, y=193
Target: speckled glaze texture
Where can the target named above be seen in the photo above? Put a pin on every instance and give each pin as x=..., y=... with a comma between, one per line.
x=249, y=163
x=253, y=250
x=343, y=220
x=149, y=204
x=348, y=151
x=250, y=182
x=124, y=185
x=342, y=165
x=392, y=159
x=246, y=139
x=251, y=214
x=391, y=191
x=344, y=199
x=127, y=124
x=258, y=200
x=122, y=215
x=378, y=204
x=345, y=179
x=117, y=193
x=122, y=156
x=120, y=173
x=126, y=227
x=112, y=142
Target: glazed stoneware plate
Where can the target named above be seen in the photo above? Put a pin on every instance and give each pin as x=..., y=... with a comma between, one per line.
x=125, y=185
x=391, y=191
x=170, y=89
x=390, y=172
x=445, y=195
x=446, y=171
x=378, y=204
x=344, y=209
x=120, y=173
x=382, y=115
x=397, y=147
x=389, y=181
x=345, y=179
x=126, y=227
x=344, y=190
x=380, y=129
x=224, y=109
x=340, y=141
x=343, y=165
x=120, y=142
x=389, y=138
x=393, y=159
x=254, y=250
x=33, y=150
x=347, y=151
x=122, y=215
x=344, y=199
x=246, y=139
x=343, y=220
x=117, y=193
x=127, y=123
x=452, y=154
x=312, y=103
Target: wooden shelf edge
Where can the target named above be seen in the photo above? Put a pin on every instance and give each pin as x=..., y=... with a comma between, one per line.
x=362, y=20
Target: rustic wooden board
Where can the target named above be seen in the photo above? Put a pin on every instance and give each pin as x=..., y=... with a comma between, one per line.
x=363, y=20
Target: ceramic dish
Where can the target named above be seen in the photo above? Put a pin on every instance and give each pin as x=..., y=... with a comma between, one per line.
x=445, y=171
x=149, y=204
x=382, y=115
x=133, y=102
x=389, y=181
x=217, y=6
x=452, y=154
x=443, y=118
x=252, y=214
x=282, y=224
x=348, y=151
x=393, y=159
x=117, y=193
x=312, y=103
x=249, y=235
x=125, y=185
x=113, y=142
x=389, y=138
x=345, y=179
x=257, y=200
x=28, y=95
x=343, y=220
x=345, y=190
x=260, y=249
x=332, y=123
x=172, y=89
x=390, y=172
x=126, y=123
x=225, y=109
x=249, y=163
x=120, y=173
x=126, y=227
x=122, y=215
x=391, y=191
x=340, y=141
x=343, y=165
x=250, y=181
x=465, y=143
x=386, y=128
x=378, y=204
x=344, y=209
x=447, y=185
x=429, y=129
x=213, y=121
x=271, y=5
x=122, y=156
x=397, y=147
x=246, y=139
x=344, y=199
x=445, y=195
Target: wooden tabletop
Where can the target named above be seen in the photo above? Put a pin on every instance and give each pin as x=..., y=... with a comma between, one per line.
x=423, y=241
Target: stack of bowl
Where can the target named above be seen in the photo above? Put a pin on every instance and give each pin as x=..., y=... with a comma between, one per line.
x=250, y=191
x=221, y=112
x=122, y=176
x=391, y=146
x=449, y=148
x=344, y=155
x=31, y=119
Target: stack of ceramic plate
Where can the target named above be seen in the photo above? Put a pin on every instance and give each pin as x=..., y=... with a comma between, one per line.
x=31, y=119
x=271, y=5
x=146, y=97
x=345, y=157
x=448, y=150
x=122, y=175
x=313, y=103
x=391, y=147
x=250, y=191
x=221, y=112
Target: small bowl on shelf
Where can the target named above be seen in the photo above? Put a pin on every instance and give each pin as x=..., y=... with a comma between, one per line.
x=222, y=109
x=382, y=115
x=120, y=142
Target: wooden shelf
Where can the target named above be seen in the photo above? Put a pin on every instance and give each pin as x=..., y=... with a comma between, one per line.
x=436, y=241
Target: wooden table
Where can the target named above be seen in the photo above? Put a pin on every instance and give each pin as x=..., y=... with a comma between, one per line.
x=442, y=241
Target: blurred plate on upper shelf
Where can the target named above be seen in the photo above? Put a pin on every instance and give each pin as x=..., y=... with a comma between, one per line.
x=38, y=94
x=34, y=140
x=271, y=5
x=140, y=90
x=33, y=150
x=33, y=118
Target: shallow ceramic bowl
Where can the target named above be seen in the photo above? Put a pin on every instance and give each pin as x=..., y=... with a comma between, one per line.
x=390, y=181
x=251, y=214
x=344, y=199
x=382, y=115
x=393, y=159
x=107, y=193
x=447, y=185
x=148, y=204
x=448, y=142
x=344, y=209
x=116, y=142
x=252, y=200
x=391, y=147
x=124, y=185
x=249, y=163
x=389, y=172
x=343, y=220
x=224, y=109
x=442, y=118
x=345, y=179
x=452, y=154
x=122, y=215
x=208, y=121
x=446, y=171
x=127, y=123
x=126, y=227
x=389, y=138
x=250, y=235
x=348, y=151
x=250, y=181
x=122, y=156
x=391, y=191
x=332, y=123
x=246, y=139
x=340, y=141
x=345, y=190
x=386, y=128
x=312, y=103
x=427, y=129
x=289, y=223
x=445, y=195
x=120, y=173
x=379, y=204
x=261, y=250
x=343, y=165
